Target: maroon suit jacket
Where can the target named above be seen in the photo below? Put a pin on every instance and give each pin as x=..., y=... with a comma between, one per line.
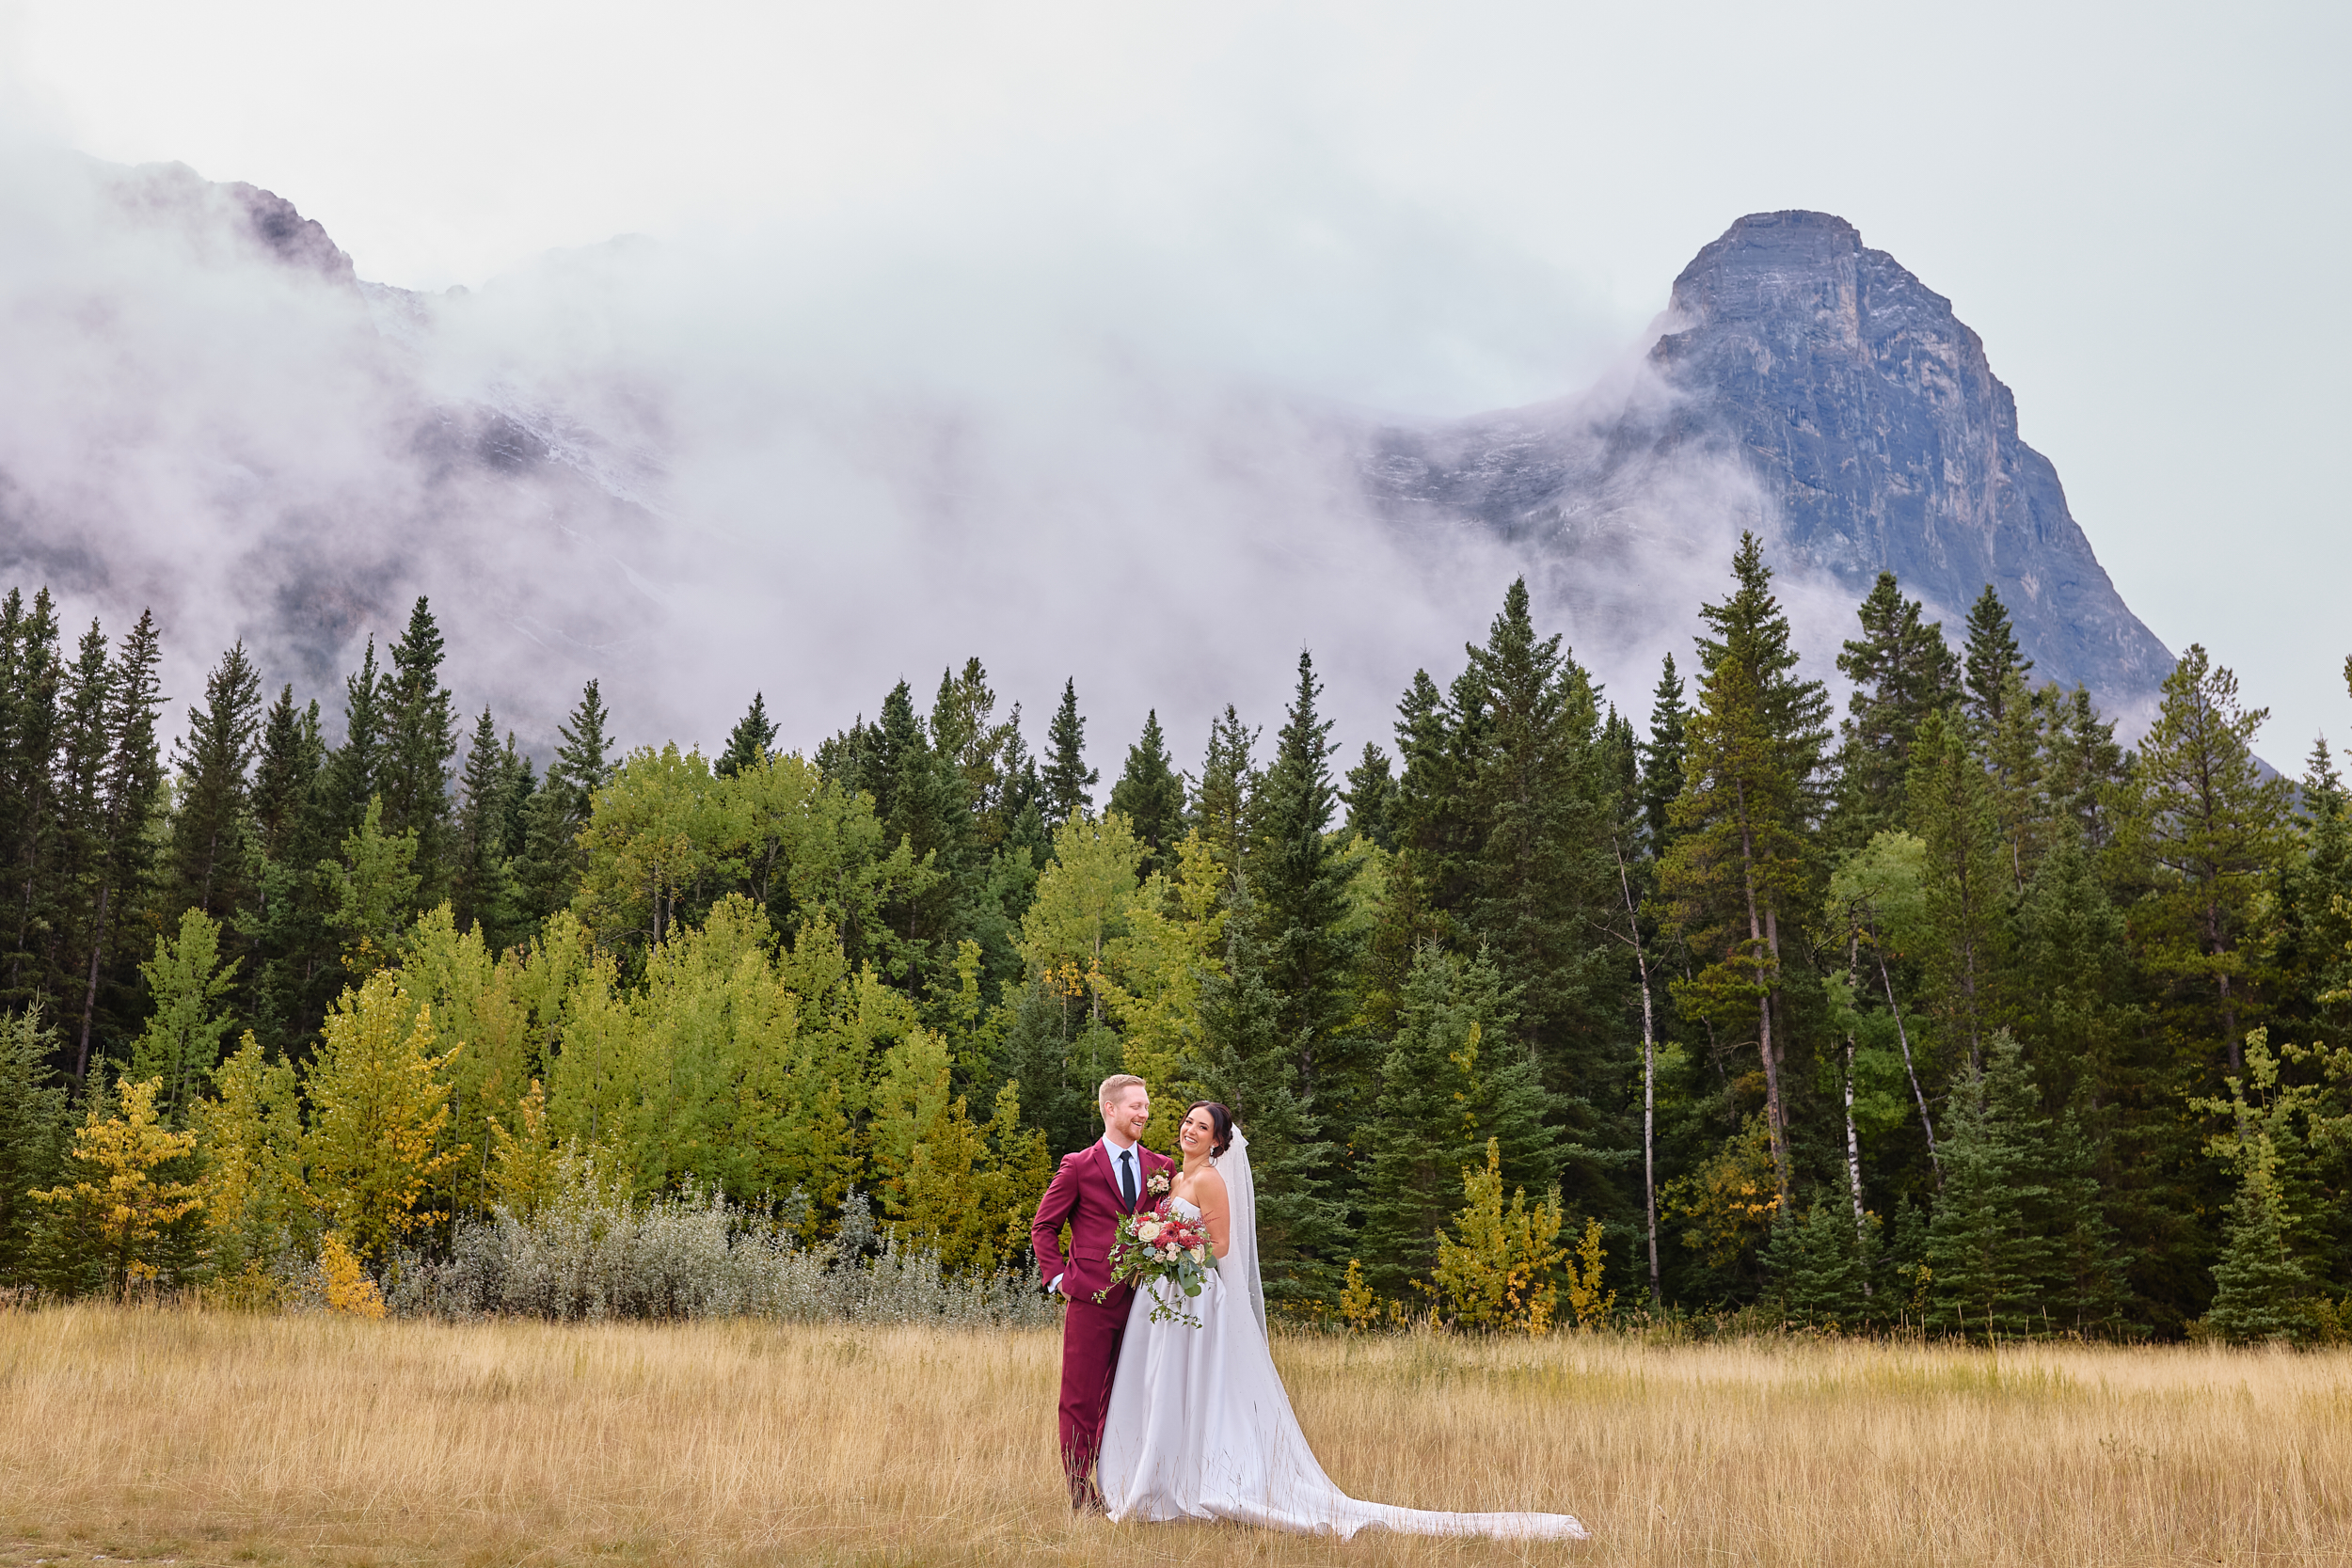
x=1084, y=1191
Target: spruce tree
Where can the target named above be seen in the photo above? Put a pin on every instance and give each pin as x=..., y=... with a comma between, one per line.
x=290, y=754
x=1452, y=1078
x=1251, y=1067
x=71, y=908
x=1069, y=782
x=1301, y=884
x=551, y=863
x=132, y=784
x=748, y=743
x=215, y=758
x=1990, y=1243
x=354, y=772
x=2218, y=834
x=419, y=742
x=1966, y=883
x=33, y=1136
x=1662, y=757
x=923, y=804
x=1151, y=797
x=1902, y=672
x=2261, y=1286
x=1543, y=878
x=482, y=889
x=1223, y=804
x=1371, y=799
x=33, y=675
x=1991, y=658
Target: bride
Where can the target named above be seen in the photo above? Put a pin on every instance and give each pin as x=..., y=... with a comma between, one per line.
x=1199, y=1427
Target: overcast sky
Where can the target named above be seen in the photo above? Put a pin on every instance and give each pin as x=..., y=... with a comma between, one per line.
x=1434, y=209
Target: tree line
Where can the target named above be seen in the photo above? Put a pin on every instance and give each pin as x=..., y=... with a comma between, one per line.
x=1948, y=1011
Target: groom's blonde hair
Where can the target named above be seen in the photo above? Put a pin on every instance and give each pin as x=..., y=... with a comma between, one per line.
x=1117, y=1085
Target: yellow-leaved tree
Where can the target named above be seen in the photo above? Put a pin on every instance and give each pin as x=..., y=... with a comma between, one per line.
x=525, y=1169
x=476, y=996
x=969, y=1190
x=124, y=1199
x=251, y=1135
x=378, y=1105
x=1175, y=937
x=1496, y=1272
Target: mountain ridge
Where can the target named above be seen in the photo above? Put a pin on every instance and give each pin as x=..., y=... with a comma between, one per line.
x=1804, y=383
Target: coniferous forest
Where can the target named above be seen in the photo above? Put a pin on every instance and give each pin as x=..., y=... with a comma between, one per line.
x=1944, y=1012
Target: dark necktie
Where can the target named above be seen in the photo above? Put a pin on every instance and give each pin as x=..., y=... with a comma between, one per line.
x=1127, y=1175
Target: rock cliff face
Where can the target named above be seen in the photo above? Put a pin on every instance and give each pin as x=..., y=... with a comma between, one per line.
x=1808, y=385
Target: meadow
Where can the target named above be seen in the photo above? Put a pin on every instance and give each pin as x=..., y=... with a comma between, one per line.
x=213, y=1438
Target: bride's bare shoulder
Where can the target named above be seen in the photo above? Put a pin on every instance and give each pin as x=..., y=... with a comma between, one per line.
x=1210, y=1184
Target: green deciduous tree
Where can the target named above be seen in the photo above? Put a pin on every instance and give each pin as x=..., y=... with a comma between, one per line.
x=181, y=1041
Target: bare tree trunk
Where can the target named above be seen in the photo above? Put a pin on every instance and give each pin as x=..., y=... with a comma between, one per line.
x=1759, y=947
x=1903, y=1034
x=89, y=997
x=1650, y=1080
x=1854, y=1143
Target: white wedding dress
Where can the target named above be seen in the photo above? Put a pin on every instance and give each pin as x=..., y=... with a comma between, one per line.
x=1200, y=1426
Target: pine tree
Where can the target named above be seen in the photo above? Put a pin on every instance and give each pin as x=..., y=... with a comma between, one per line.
x=1151, y=797
x=2218, y=832
x=1069, y=782
x=1452, y=1079
x=748, y=743
x=1252, y=1069
x=1371, y=797
x=1741, y=855
x=1991, y=660
x=214, y=759
x=1902, y=672
x=420, y=742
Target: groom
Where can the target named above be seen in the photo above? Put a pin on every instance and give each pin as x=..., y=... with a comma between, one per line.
x=1109, y=1178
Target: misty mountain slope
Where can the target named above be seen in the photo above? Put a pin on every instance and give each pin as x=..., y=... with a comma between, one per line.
x=208, y=415
x=1814, y=386
x=693, y=475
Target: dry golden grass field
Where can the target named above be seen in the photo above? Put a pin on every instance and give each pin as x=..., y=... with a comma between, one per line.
x=220, y=1439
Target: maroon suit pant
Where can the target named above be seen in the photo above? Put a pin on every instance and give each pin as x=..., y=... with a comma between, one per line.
x=1090, y=1354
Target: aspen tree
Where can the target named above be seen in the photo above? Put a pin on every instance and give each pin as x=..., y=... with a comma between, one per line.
x=378, y=1105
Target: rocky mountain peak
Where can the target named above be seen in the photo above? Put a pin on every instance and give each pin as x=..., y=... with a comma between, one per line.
x=1815, y=387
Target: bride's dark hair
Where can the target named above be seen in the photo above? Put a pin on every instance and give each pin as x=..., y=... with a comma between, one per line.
x=1220, y=1119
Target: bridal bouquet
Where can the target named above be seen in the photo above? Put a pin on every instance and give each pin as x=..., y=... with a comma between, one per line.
x=1158, y=1243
